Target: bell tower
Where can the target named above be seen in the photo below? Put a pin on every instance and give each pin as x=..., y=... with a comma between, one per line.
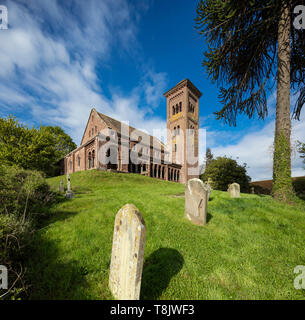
x=183, y=125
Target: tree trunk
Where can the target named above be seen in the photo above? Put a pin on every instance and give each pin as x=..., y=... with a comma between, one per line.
x=282, y=182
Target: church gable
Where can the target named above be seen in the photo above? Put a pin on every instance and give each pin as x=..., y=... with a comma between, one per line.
x=94, y=125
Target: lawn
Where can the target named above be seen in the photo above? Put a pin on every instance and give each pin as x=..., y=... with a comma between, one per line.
x=248, y=249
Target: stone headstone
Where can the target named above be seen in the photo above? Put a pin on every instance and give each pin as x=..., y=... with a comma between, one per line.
x=127, y=254
x=252, y=190
x=234, y=190
x=196, y=199
x=61, y=186
x=69, y=193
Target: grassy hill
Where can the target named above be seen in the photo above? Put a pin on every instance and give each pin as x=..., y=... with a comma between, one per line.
x=248, y=249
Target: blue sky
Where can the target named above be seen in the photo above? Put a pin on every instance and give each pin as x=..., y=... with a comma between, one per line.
x=58, y=59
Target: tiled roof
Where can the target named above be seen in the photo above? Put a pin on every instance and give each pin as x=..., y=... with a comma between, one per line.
x=116, y=125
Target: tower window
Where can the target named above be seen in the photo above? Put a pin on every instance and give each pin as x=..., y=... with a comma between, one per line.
x=95, y=129
x=177, y=108
x=173, y=111
x=180, y=106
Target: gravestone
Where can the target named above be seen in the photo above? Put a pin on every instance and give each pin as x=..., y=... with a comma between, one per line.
x=234, y=190
x=196, y=199
x=252, y=190
x=127, y=254
x=61, y=186
x=69, y=193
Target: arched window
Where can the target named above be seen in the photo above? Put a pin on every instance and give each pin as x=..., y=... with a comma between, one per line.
x=178, y=130
x=173, y=111
x=177, y=108
x=89, y=160
x=93, y=159
x=180, y=106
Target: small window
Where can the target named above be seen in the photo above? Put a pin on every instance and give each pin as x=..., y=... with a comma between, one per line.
x=173, y=111
x=89, y=133
x=95, y=129
x=78, y=159
x=175, y=147
x=178, y=130
x=180, y=106
x=92, y=131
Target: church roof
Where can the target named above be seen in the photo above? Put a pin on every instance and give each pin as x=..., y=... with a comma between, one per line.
x=116, y=125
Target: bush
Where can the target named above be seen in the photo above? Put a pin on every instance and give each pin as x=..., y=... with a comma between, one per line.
x=15, y=237
x=23, y=193
x=23, y=199
x=224, y=171
x=299, y=186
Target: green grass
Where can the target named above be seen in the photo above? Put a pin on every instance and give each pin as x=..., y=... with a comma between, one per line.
x=248, y=249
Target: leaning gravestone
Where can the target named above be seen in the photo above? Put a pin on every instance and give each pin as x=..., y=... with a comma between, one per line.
x=234, y=190
x=196, y=199
x=127, y=254
x=69, y=193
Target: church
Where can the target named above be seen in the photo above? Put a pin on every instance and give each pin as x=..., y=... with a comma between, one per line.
x=108, y=144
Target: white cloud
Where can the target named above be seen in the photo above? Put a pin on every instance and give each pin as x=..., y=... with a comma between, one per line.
x=256, y=149
x=48, y=62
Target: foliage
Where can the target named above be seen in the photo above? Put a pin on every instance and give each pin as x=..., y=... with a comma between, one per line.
x=72, y=253
x=242, y=39
x=299, y=186
x=282, y=182
x=252, y=44
x=24, y=196
x=224, y=171
x=15, y=237
x=33, y=149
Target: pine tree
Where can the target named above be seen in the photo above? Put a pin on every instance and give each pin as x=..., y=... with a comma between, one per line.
x=252, y=44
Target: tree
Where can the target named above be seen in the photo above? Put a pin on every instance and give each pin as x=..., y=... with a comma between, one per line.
x=301, y=150
x=224, y=171
x=208, y=157
x=250, y=45
x=34, y=149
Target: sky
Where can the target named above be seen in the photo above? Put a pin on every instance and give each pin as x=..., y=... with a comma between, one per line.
x=59, y=59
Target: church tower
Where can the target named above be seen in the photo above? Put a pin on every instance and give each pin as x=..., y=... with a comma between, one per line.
x=183, y=124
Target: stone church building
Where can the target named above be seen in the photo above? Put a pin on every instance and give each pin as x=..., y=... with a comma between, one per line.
x=182, y=124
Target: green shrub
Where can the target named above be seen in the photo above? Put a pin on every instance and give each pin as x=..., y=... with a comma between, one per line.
x=15, y=236
x=23, y=193
x=24, y=196
x=224, y=171
x=299, y=186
